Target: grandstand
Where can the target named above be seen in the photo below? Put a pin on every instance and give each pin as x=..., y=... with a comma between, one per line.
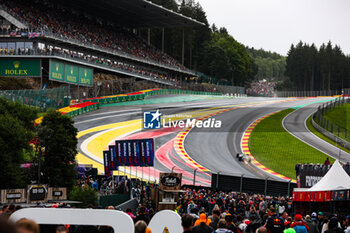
x=66, y=42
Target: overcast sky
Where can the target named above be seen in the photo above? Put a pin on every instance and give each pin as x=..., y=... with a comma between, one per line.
x=275, y=24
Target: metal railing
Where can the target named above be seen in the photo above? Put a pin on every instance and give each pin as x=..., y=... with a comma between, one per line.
x=321, y=120
x=42, y=99
x=307, y=93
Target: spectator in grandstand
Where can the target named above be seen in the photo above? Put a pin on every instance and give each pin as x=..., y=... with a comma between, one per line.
x=50, y=18
x=27, y=226
x=187, y=223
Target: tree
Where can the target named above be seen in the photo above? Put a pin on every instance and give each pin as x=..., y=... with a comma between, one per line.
x=57, y=136
x=312, y=69
x=87, y=196
x=16, y=130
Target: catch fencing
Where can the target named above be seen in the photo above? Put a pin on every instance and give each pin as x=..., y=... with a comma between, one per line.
x=43, y=99
x=321, y=120
x=308, y=93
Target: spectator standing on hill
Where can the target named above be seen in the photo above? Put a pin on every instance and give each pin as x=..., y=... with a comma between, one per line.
x=327, y=162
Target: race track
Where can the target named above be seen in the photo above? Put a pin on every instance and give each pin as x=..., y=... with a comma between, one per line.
x=211, y=150
x=295, y=124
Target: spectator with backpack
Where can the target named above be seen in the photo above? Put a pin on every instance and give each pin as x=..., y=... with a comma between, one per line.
x=274, y=224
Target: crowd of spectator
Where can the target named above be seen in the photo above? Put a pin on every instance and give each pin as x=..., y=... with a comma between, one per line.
x=204, y=211
x=262, y=88
x=47, y=17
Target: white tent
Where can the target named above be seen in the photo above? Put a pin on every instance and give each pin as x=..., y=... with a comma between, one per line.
x=335, y=179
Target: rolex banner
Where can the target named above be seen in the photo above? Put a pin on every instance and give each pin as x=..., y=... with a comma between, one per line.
x=20, y=68
x=134, y=152
x=72, y=74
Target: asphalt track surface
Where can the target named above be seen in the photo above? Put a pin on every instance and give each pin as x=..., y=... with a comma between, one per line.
x=295, y=124
x=214, y=149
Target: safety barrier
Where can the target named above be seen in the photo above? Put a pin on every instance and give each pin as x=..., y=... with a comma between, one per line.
x=43, y=99
x=245, y=184
x=75, y=110
x=339, y=132
x=308, y=93
x=140, y=95
x=179, y=92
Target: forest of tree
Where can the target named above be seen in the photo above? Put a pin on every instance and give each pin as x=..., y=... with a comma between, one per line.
x=312, y=69
x=209, y=50
x=212, y=51
x=271, y=65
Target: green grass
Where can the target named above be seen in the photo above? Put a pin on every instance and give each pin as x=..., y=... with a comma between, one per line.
x=278, y=150
x=339, y=116
x=320, y=135
x=41, y=114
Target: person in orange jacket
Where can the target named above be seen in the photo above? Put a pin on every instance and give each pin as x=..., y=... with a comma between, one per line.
x=202, y=218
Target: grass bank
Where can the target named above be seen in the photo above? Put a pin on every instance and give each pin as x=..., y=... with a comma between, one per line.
x=278, y=150
x=320, y=135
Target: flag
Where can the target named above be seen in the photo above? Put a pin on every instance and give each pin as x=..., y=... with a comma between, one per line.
x=320, y=196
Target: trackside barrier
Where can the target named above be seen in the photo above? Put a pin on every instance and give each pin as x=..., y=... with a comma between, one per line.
x=75, y=110
x=116, y=99
x=246, y=185
x=308, y=93
x=81, y=109
x=335, y=132
x=143, y=94
x=118, y=220
x=180, y=92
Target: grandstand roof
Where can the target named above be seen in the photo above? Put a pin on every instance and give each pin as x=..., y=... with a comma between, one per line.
x=134, y=13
